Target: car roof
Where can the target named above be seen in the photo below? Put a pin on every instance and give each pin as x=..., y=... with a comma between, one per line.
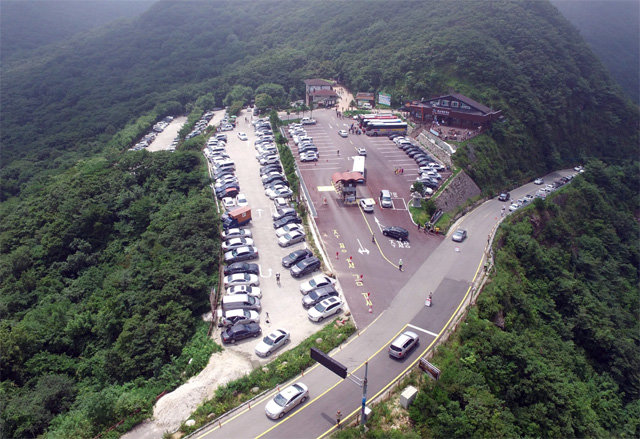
x=402, y=338
x=328, y=301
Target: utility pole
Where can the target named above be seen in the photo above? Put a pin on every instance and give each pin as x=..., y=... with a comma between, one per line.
x=364, y=394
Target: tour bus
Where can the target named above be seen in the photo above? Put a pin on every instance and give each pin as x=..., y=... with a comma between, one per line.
x=386, y=128
x=358, y=166
x=366, y=123
x=362, y=118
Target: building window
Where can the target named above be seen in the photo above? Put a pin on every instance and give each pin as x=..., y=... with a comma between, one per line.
x=465, y=107
x=455, y=104
x=444, y=103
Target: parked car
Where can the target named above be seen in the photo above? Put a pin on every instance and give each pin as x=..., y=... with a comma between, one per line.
x=289, y=219
x=396, y=232
x=459, y=235
x=318, y=281
x=241, y=279
x=309, y=156
x=241, y=267
x=295, y=257
x=272, y=176
x=232, y=243
x=279, y=191
x=281, y=213
x=343, y=133
x=241, y=254
x=240, y=332
x=236, y=233
x=286, y=400
x=538, y=181
x=305, y=266
x=245, y=289
x=241, y=200
x=228, y=203
x=402, y=345
x=504, y=196
x=367, y=204
x=243, y=136
x=318, y=295
x=272, y=342
x=324, y=309
x=291, y=238
x=288, y=229
x=234, y=316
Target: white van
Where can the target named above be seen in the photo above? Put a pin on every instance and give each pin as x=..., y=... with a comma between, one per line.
x=240, y=301
x=385, y=198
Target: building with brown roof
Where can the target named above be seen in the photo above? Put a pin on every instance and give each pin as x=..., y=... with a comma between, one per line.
x=320, y=92
x=453, y=110
x=365, y=98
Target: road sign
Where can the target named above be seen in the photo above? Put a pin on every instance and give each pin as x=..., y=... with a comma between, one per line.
x=328, y=362
x=429, y=368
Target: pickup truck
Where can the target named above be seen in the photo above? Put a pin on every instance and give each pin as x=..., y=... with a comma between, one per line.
x=236, y=217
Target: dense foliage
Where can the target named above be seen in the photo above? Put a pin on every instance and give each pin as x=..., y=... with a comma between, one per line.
x=520, y=57
x=553, y=347
x=105, y=272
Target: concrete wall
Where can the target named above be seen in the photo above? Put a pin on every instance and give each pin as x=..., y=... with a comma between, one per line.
x=437, y=147
x=457, y=192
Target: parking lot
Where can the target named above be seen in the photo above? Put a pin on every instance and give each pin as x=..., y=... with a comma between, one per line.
x=368, y=271
x=281, y=305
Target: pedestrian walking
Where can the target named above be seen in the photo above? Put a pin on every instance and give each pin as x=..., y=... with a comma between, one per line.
x=373, y=238
x=338, y=418
x=400, y=265
x=278, y=278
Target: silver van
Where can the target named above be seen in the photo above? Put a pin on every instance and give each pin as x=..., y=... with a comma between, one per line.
x=240, y=301
x=385, y=198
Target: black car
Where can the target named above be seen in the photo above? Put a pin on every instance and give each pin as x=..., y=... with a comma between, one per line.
x=305, y=266
x=272, y=178
x=222, y=172
x=414, y=153
x=241, y=267
x=394, y=135
x=230, y=190
x=423, y=161
x=295, y=257
x=274, y=167
x=318, y=295
x=396, y=232
x=281, y=181
x=240, y=331
x=289, y=219
x=504, y=196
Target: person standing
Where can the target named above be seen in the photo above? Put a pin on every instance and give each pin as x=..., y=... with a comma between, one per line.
x=400, y=264
x=338, y=418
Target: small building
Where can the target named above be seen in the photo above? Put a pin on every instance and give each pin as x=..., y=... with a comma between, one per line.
x=454, y=110
x=365, y=100
x=345, y=185
x=320, y=93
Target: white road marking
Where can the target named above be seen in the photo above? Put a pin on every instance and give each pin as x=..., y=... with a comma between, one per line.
x=262, y=275
x=433, y=334
x=362, y=249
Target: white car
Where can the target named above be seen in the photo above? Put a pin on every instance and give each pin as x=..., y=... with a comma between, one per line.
x=280, y=203
x=241, y=279
x=266, y=177
x=232, y=243
x=231, y=317
x=538, y=181
x=319, y=280
x=291, y=238
x=324, y=309
x=227, y=127
x=361, y=150
x=279, y=191
x=367, y=204
x=288, y=229
x=244, y=289
x=513, y=207
x=272, y=342
x=241, y=200
x=243, y=136
x=228, y=203
x=236, y=233
x=309, y=156
x=286, y=400
x=343, y=133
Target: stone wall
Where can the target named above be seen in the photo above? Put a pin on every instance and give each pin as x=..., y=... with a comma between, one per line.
x=457, y=192
x=431, y=142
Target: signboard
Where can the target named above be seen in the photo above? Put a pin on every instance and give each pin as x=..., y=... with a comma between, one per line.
x=429, y=368
x=384, y=99
x=328, y=362
x=442, y=112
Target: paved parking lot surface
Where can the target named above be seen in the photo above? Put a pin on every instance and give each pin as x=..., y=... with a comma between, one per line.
x=368, y=271
x=281, y=305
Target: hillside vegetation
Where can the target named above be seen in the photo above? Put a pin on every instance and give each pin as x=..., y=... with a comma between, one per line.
x=107, y=256
x=520, y=57
x=552, y=348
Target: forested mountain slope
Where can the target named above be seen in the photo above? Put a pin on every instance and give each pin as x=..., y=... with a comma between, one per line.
x=612, y=29
x=521, y=57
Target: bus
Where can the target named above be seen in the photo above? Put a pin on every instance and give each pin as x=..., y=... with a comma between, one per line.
x=358, y=166
x=386, y=128
x=366, y=117
x=366, y=123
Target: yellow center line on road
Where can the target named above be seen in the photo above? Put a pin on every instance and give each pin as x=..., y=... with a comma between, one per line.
x=417, y=359
x=376, y=241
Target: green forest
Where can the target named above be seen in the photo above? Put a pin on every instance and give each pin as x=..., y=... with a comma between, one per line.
x=552, y=348
x=107, y=256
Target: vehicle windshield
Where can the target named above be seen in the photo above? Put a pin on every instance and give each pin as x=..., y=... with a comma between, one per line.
x=320, y=307
x=268, y=340
x=280, y=400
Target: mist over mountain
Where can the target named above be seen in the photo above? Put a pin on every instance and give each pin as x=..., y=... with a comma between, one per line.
x=612, y=29
x=28, y=25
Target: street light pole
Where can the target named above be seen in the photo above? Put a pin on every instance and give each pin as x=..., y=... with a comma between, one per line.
x=364, y=393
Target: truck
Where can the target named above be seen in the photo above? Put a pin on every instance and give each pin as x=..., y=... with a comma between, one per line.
x=236, y=217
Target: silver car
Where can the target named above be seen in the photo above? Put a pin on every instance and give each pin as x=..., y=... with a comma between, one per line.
x=286, y=400
x=403, y=344
x=272, y=342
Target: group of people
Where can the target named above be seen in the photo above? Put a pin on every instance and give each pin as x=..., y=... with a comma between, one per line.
x=399, y=171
